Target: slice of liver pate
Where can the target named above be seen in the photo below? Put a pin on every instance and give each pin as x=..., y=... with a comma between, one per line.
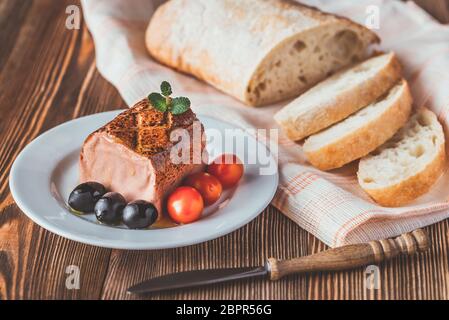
x=131, y=154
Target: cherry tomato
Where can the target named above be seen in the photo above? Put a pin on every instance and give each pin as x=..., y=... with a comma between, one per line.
x=185, y=205
x=227, y=168
x=207, y=185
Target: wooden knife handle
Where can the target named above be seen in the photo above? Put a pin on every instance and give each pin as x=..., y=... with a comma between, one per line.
x=351, y=256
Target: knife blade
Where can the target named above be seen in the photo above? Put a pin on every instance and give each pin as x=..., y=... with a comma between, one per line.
x=197, y=278
x=336, y=259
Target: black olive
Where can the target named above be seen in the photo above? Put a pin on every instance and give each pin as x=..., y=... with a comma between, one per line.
x=84, y=196
x=139, y=214
x=109, y=208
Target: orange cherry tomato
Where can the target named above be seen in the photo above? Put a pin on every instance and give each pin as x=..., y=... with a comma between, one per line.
x=227, y=168
x=185, y=205
x=207, y=185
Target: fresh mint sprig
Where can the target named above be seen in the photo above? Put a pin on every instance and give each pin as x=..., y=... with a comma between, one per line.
x=166, y=89
x=163, y=102
x=158, y=101
x=180, y=105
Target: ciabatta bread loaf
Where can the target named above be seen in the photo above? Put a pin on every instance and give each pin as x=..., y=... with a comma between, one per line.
x=407, y=165
x=259, y=51
x=339, y=96
x=362, y=132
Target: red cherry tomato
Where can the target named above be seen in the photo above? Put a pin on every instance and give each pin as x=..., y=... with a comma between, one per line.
x=227, y=168
x=185, y=205
x=207, y=185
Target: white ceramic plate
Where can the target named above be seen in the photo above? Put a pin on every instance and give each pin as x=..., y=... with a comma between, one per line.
x=46, y=171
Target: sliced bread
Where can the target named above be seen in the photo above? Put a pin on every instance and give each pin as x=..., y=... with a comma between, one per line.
x=259, y=51
x=406, y=166
x=362, y=132
x=339, y=96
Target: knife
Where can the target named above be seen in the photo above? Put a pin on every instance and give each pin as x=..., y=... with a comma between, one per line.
x=340, y=258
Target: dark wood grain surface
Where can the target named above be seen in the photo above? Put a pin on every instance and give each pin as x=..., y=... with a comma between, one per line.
x=48, y=76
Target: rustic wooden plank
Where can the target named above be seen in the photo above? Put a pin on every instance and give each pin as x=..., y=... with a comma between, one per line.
x=41, y=83
x=403, y=278
x=437, y=8
x=12, y=15
x=271, y=234
x=48, y=76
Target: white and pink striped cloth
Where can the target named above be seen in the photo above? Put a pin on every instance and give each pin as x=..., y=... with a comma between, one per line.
x=329, y=205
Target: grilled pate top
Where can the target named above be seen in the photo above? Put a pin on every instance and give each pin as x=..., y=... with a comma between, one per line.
x=146, y=130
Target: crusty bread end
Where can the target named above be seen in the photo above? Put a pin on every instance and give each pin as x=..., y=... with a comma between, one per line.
x=406, y=166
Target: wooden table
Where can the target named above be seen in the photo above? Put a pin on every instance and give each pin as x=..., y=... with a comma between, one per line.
x=48, y=76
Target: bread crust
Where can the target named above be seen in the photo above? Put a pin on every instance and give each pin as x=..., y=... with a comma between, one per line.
x=343, y=105
x=412, y=188
x=364, y=140
x=189, y=36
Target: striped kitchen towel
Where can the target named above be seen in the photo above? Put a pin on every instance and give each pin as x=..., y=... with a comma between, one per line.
x=329, y=205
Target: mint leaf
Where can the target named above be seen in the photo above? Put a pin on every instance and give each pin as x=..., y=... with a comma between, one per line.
x=179, y=105
x=166, y=89
x=163, y=102
x=158, y=101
